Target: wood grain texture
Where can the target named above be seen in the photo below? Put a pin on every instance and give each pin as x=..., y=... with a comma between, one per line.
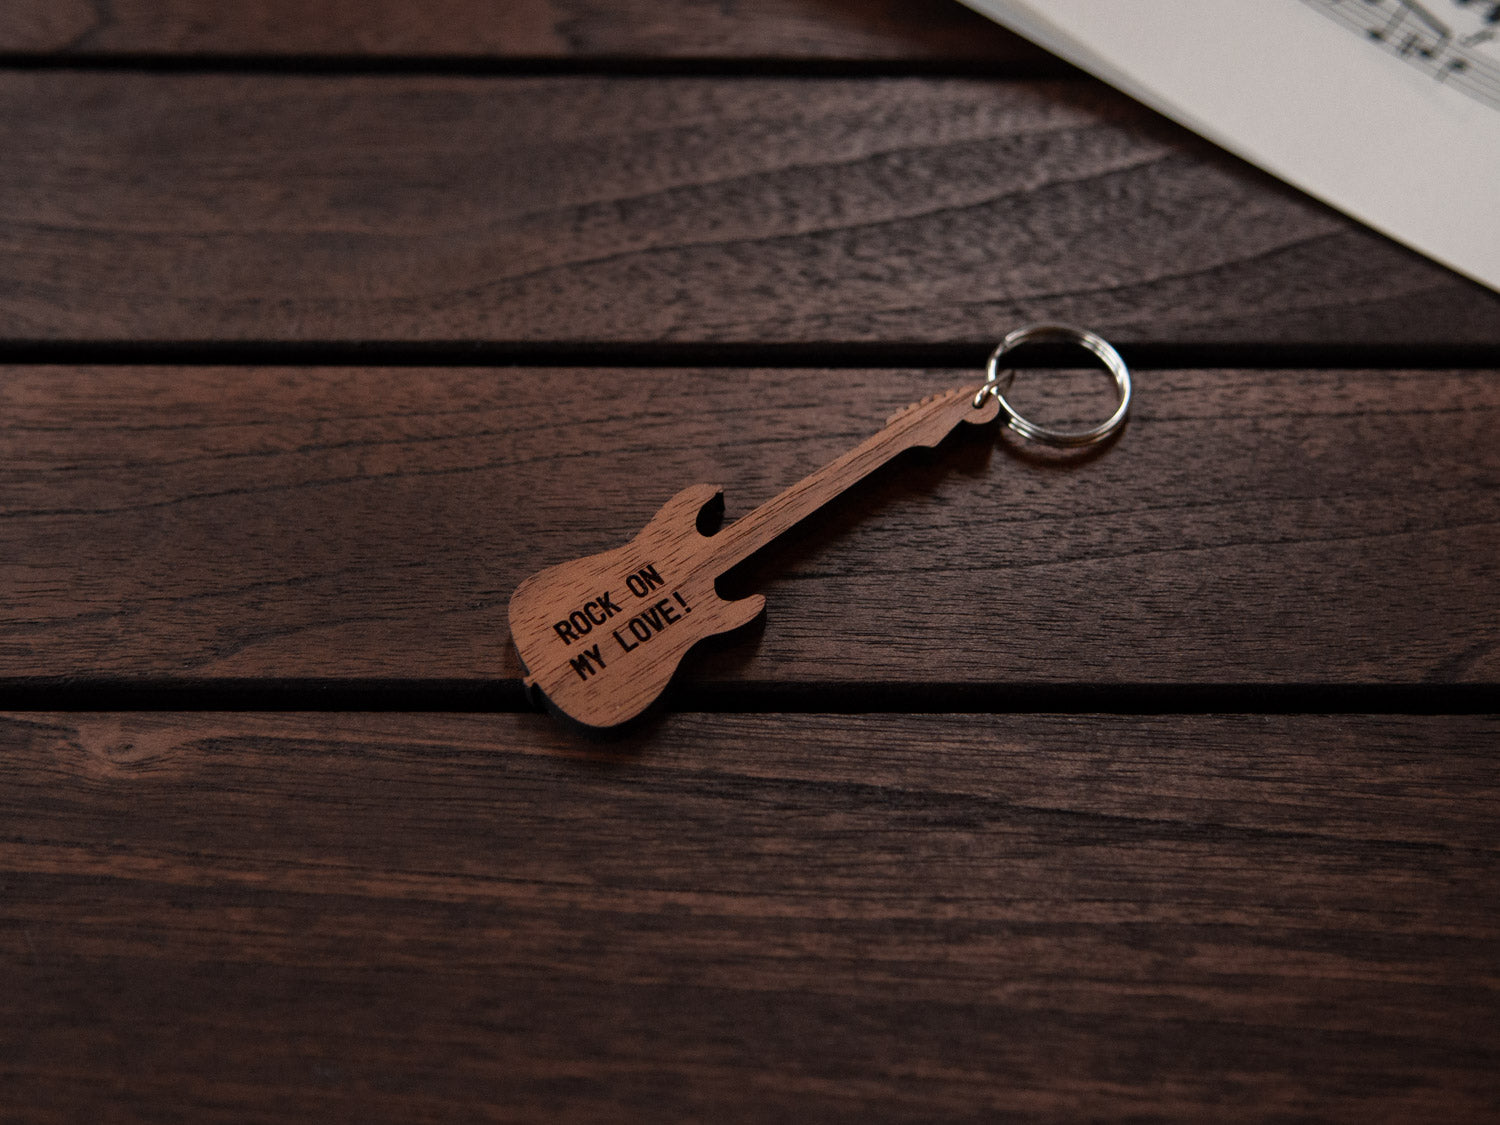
x=921, y=30
x=1319, y=527
x=592, y=210
x=255, y=918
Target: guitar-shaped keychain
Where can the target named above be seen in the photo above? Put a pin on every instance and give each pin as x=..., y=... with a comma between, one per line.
x=601, y=636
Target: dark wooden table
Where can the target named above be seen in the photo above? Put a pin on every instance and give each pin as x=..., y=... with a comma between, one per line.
x=1157, y=784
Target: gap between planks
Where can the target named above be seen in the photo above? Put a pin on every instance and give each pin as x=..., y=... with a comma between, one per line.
x=507, y=696
x=313, y=66
x=962, y=357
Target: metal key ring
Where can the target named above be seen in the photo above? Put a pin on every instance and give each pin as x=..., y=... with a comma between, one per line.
x=1056, y=334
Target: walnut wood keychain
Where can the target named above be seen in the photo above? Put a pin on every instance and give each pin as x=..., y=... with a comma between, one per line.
x=601, y=636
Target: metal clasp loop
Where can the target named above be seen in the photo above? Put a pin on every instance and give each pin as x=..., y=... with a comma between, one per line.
x=997, y=382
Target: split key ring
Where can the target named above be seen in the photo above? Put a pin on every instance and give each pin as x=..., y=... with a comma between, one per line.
x=997, y=382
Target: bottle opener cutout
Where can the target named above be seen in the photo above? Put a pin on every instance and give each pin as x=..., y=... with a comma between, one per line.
x=601, y=636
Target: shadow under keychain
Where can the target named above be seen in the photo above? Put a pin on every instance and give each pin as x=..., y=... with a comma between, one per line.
x=601, y=636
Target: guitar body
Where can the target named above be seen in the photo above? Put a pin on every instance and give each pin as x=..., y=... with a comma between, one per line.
x=602, y=636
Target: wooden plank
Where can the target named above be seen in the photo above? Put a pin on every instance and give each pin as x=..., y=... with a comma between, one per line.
x=904, y=30
x=232, y=917
x=1276, y=527
x=616, y=211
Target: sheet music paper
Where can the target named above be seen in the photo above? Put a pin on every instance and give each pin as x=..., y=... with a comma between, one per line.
x=1387, y=109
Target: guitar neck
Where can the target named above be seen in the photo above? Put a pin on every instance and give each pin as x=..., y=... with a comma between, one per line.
x=923, y=423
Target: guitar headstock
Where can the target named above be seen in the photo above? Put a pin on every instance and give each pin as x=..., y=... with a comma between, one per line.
x=935, y=416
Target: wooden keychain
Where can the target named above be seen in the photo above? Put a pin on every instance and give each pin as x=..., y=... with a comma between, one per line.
x=601, y=637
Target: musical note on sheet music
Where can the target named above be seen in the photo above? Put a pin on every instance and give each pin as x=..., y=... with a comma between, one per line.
x=1455, y=43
